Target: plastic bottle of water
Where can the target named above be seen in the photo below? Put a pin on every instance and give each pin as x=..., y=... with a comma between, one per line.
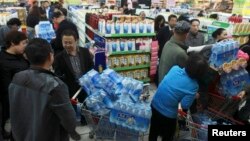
x=213, y=56
x=218, y=55
x=236, y=48
x=231, y=50
x=135, y=112
x=141, y=114
x=235, y=80
x=148, y=115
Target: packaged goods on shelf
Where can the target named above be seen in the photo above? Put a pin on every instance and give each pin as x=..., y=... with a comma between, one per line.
x=241, y=29
x=122, y=24
x=5, y=16
x=241, y=39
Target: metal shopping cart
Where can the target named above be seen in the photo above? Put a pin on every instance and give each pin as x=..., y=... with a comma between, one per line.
x=102, y=129
x=220, y=109
x=198, y=130
x=228, y=106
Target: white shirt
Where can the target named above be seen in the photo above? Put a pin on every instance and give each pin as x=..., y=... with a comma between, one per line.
x=130, y=4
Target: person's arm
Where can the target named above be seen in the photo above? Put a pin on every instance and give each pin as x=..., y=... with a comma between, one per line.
x=58, y=68
x=61, y=106
x=90, y=61
x=6, y=78
x=187, y=101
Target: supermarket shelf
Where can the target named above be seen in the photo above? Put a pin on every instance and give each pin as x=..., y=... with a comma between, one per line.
x=93, y=30
x=119, y=35
x=146, y=80
x=88, y=37
x=130, y=35
x=128, y=52
x=80, y=29
x=131, y=68
x=242, y=34
x=202, y=30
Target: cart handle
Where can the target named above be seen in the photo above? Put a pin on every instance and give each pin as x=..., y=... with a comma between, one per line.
x=182, y=113
x=73, y=99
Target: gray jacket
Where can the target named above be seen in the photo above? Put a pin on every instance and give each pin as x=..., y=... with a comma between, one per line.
x=40, y=108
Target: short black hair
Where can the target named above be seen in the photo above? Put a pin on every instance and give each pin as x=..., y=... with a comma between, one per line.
x=69, y=32
x=14, y=37
x=172, y=16
x=214, y=16
x=37, y=51
x=217, y=32
x=34, y=2
x=159, y=21
x=14, y=21
x=196, y=66
x=183, y=17
x=64, y=11
x=57, y=14
x=195, y=20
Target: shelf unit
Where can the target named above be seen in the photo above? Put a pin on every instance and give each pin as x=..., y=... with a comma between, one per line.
x=131, y=67
x=129, y=52
x=81, y=24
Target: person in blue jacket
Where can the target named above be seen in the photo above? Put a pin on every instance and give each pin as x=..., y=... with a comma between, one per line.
x=178, y=86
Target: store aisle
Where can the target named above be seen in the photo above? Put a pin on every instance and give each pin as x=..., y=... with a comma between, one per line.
x=84, y=130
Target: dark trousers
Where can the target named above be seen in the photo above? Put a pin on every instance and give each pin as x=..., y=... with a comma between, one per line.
x=161, y=126
x=1, y=137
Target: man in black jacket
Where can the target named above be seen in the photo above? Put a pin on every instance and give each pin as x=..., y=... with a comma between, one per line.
x=64, y=24
x=72, y=63
x=40, y=108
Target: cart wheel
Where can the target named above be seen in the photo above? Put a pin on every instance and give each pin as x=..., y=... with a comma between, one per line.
x=91, y=135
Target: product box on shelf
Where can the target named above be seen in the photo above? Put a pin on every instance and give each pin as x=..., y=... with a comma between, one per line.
x=241, y=29
x=126, y=25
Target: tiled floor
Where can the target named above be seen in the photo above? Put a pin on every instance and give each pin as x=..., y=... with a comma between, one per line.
x=84, y=131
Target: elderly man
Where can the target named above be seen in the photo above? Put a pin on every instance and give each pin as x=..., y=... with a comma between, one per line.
x=195, y=38
x=174, y=51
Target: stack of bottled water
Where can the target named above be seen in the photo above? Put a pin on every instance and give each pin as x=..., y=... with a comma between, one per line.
x=129, y=115
x=223, y=52
x=99, y=103
x=46, y=31
x=111, y=93
x=132, y=88
x=90, y=81
x=232, y=83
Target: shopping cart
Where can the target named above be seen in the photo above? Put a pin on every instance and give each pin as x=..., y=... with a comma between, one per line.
x=102, y=129
x=198, y=130
x=226, y=105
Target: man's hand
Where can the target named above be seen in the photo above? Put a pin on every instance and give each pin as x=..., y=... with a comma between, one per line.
x=197, y=96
